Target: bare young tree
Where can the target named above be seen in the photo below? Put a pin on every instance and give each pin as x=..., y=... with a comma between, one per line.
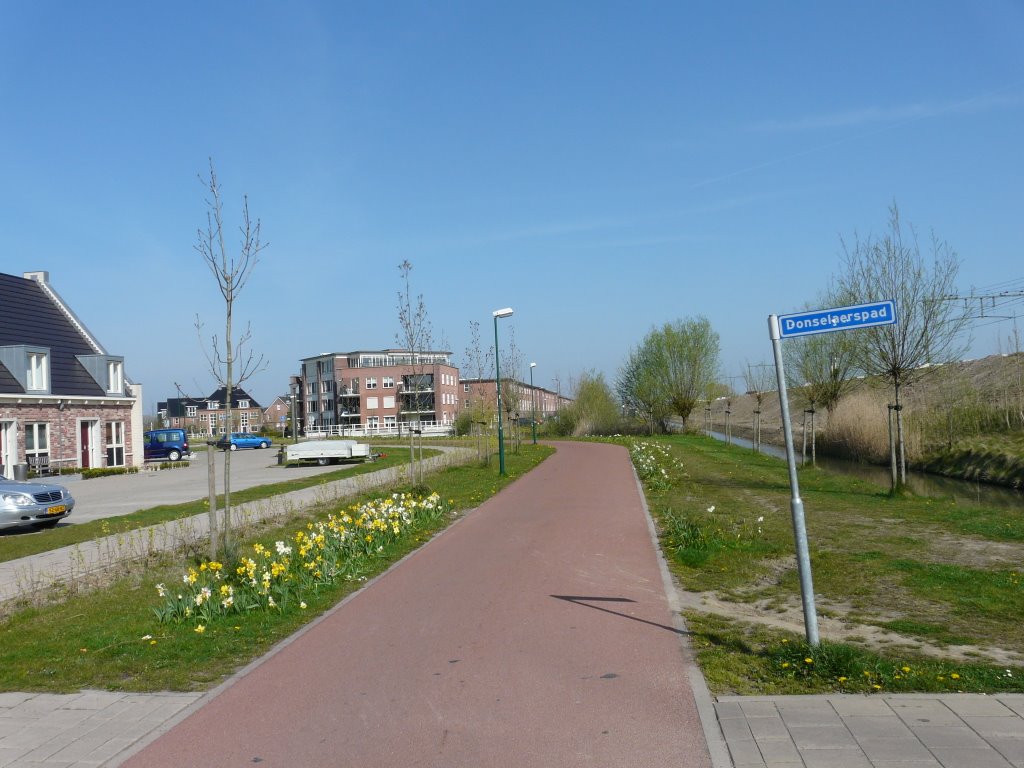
x=415, y=335
x=230, y=361
x=928, y=327
x=759, y=380
x=478, y=363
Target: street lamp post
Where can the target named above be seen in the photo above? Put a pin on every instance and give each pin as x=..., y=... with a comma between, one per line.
x=506, y=312
x=533, y=404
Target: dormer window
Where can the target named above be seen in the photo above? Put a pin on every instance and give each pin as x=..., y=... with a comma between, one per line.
x=115, y=377
x=37, y=372
x=212, y=405
x=243, y=404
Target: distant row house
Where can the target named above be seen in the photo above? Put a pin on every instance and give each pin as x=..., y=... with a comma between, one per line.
x=65, y=402
x=520, y=400
x=210, y=416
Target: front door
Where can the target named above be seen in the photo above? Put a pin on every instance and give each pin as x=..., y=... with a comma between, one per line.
x=87, y=443
x=8, y=447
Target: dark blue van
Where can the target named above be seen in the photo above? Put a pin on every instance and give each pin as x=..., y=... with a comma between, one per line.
x=169, y=444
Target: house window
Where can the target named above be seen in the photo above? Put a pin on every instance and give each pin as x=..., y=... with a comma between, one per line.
x=243, y=404
x=115, y=443
x=311, y=388
x=311, y=406
x=371, y=403
x=389, y=401
x=372, y=422
x=38, y=372
x=465, y=387
x=371, y=383
x=190, y=410
x=212, y=405
x=115, y=378
x=37, y=441
x=243, y=421
x=388, y=382
x=326, y=406
x=390, y=423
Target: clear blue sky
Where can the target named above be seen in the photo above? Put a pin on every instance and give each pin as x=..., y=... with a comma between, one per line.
x=599, y=167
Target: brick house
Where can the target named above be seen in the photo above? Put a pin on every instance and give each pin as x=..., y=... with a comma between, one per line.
x=519, y=397
x=65, y=402
x=383, y=390
x=278, y=413
x=208, y=416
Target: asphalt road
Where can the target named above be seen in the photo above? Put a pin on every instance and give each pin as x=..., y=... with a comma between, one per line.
x=123, y=494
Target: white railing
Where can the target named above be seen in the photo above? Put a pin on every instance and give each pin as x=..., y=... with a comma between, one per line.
x=429, y=429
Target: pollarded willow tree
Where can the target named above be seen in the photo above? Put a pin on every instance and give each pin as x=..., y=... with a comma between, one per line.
x=230, y=361
x=690, y=351
x=928, y=326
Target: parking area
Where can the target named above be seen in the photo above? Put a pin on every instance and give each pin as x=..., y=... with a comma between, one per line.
x=123, y=494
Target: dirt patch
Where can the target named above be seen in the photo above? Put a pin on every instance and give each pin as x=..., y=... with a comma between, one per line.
x=787, y=615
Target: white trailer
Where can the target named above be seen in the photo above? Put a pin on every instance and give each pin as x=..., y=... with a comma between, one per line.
x=325, y=452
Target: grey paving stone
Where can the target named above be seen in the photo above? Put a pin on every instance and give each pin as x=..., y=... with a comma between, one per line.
x=8, y=700
x=956, y=736
x=775, y=751
x=1011, y=749
x=809, y=716
x=745, y=752
x=952, y=757
x=759, y=709
x=736, y=730
x=988, y=727
x=895, y=749
x=1014, y=701
x=857, y=706
x=825, y=737
x=925, y=712
x=976, y=705
x=835, y=758
x=768, y=728
x=877, y=727
x=727, y=710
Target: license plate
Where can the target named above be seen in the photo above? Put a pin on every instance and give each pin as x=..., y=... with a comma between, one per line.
x=60, y=509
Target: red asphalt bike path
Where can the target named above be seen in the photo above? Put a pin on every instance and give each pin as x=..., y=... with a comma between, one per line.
x=534, y=632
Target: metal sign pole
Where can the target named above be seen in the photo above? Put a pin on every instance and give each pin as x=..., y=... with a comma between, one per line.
x=796, y=504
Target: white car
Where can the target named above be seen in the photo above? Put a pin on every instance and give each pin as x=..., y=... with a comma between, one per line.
x=41, y=505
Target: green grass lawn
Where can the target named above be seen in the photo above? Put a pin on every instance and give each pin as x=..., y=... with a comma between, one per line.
x=932, y=572
x=110, y=638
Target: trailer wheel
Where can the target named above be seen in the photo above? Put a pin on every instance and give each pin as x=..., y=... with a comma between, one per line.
x=323, y=461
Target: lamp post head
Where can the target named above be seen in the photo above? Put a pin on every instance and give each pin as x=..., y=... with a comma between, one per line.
x=506, y=312
x=533, y=365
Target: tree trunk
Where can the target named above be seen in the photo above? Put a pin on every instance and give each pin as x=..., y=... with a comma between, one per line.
x=899, y=438
x=211, y=482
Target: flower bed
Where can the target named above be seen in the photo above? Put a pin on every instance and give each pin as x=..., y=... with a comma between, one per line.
x=279, y=577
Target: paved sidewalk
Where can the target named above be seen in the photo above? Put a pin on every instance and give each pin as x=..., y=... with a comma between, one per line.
x=880, y=731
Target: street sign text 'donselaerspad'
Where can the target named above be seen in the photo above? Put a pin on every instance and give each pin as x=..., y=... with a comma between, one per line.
x=838, y=319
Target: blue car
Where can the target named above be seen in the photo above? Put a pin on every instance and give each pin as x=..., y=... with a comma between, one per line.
x=237, y=440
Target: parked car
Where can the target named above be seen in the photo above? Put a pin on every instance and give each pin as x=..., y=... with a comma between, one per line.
x=238, y=440
x=41, y=505
x=169, y=444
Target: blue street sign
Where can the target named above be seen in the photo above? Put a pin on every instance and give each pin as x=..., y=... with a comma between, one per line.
x=839, y=319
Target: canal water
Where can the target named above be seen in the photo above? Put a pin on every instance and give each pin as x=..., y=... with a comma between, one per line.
x=920, y=483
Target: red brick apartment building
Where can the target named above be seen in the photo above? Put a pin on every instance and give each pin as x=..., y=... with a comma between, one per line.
x=65, y=402
x=383, y=390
